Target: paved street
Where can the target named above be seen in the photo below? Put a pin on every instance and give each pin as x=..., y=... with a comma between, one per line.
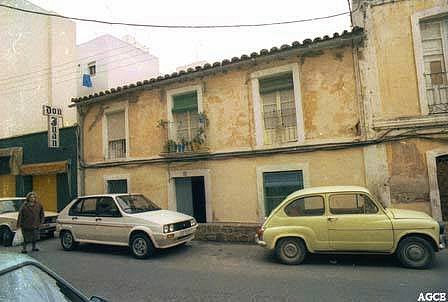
x=202, y=271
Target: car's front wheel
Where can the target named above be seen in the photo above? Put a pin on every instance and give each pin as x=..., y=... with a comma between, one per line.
x=6, y=236
x=291, y=250
x=68, y=241
x=415, y=252
x=141, y=246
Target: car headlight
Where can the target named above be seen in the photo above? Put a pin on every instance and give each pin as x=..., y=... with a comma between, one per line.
x=168, y=228
x=193, y=222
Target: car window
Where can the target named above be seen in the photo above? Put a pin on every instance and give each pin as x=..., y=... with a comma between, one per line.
x=306, y=206
x=30, y=283
x=351, y=204
x=132, y=204
x=106, y=207
x=75, y=210
x=8, y=206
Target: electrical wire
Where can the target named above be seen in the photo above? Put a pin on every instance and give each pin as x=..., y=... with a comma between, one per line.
x=174, y=26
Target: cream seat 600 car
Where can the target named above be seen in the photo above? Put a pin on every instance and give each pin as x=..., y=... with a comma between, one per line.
x=123, y=219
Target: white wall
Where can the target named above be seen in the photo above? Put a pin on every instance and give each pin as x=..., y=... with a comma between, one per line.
x=37, y=66
x=117, y=63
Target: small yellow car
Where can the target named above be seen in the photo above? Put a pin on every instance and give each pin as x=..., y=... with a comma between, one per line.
x=348, y=219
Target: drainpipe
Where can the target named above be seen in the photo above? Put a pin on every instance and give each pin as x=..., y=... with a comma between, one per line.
x=80, y=149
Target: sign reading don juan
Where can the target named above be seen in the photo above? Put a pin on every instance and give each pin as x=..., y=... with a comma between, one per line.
x=53, y=114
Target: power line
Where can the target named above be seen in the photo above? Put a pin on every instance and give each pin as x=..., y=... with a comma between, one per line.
x=61, y=67
x=175, y=26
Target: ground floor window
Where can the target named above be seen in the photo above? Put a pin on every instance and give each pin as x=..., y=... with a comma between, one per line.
x=278, y=185
x=115, y=186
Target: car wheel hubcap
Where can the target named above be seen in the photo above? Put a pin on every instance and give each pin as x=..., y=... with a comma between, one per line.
x=139, y=246
x=290, y=250
x=67, y=240
x=415, y=252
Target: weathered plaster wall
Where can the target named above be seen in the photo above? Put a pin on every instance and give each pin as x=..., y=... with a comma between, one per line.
x=328, y=95
x=389, y=32
x=408, y=172
x=234, y=196
x=328, y=102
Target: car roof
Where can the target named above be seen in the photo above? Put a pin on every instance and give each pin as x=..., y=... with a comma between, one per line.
x=11, y=259
x=12, y=198
x=108, y=195
x=330, y=189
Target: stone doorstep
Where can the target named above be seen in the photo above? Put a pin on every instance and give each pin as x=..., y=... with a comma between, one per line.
x=227, y=232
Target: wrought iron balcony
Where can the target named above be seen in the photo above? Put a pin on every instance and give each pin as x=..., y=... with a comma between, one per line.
x=437, y=92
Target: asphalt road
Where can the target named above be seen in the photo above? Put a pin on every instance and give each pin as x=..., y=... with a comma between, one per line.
x=201, y=271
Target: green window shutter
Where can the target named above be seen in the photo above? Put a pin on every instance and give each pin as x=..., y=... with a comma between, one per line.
x=117, y=186
x=4, y=165
x=276, y=83
x=278, y=185
x=185, y=102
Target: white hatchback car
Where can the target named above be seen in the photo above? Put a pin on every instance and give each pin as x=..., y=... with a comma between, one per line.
x=123, y=219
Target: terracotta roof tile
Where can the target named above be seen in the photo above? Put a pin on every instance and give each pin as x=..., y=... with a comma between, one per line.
x=356, y=31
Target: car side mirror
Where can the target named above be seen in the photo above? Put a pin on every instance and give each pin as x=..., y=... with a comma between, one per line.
x=97, y=299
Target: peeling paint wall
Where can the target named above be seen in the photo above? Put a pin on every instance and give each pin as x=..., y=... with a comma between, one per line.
x=234, y=181
x=408, y=173
x=328, y=102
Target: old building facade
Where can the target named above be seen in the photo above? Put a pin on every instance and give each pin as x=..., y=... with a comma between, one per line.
x=226, y=142
x=403, y=70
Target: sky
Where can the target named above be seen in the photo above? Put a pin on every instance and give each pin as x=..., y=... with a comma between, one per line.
x=177, y=47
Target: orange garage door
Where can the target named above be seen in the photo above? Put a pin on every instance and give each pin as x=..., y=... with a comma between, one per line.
x=7, y=186
x=45, y=187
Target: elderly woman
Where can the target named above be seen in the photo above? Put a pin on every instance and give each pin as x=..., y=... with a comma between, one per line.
x=31, y=216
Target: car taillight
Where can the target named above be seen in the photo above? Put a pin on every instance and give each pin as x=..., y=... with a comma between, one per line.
x=259, y=231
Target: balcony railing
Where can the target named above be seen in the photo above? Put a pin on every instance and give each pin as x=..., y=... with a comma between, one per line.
x=117, y=148
x=437, y=92
x=184, y=140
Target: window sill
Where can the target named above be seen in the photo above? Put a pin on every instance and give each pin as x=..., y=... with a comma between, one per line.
x=411, y=122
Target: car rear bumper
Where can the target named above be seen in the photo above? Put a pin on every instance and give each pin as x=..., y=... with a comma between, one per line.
x=47, y=228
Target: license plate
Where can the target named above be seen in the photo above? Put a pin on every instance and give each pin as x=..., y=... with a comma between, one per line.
x=185, y=232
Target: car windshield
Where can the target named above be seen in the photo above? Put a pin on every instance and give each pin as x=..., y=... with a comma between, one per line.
x=30, y=283
x=132, y=204
x=8, y=206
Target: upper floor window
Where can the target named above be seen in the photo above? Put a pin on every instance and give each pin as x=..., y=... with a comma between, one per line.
x=92, y=68
x=116, y=134
x=185, y=116
x=434, y=40
x=278, y=108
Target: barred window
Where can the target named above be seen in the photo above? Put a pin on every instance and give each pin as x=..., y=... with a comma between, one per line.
x=116, y=135
x=278, y=109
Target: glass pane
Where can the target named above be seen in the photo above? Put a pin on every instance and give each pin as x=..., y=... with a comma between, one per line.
x=181, y=124
x=106, y=207
x=30, y=283
x=307, y=206
x=346, y=204
x=89, y=207
x=288, y=108
x=116, y=126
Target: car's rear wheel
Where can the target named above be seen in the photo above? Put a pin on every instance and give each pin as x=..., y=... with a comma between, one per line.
x=68, y=241
x=415, y=252
x=6, y=236
x=141, y=246
x=291, y=250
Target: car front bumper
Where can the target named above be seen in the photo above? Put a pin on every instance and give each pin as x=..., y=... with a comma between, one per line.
x=259, y=242
x=442, y=242
x=163, y=241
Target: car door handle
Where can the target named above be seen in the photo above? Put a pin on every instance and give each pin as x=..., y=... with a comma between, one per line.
x=332, y=218
x=74, y=218
x=98, y=219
